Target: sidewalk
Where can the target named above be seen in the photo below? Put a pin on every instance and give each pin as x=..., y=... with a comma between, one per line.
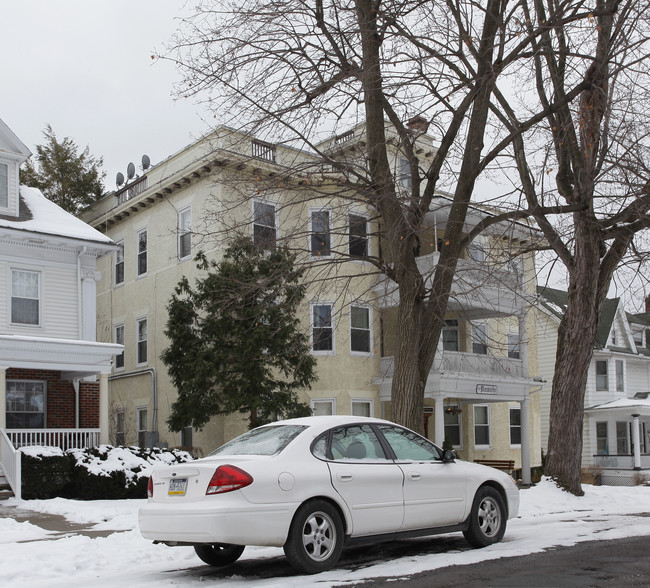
x=58, y=525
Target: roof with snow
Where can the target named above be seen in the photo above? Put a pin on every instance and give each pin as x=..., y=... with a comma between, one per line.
x=39, y=215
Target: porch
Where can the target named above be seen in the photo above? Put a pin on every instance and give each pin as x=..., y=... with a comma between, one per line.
x=12, y=440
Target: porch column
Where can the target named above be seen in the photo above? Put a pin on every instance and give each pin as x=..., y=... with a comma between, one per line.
x=636, y=441
x=3, y=397
x=439, y=420
x=103, y=408
x=525, y=442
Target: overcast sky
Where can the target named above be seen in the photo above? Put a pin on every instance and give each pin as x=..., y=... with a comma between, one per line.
x=85, y=68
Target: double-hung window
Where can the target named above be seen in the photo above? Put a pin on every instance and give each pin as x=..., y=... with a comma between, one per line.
x=622, y=438
x=25, y=297
x=264, y=225
x=360, y=336
x=513, y=345
x=119, y=339
x=142, y=252
x=322, y=329
x=362, y=408
x=602, y=377
x=141, y=423
x=602, y=441
x=119, y=263
x=185, y=233
x=323, y=406
x=25, y=404
x=515, y=426
x=320, y=233
x=450, y=340
x=481, y=425
x=358, y=244
x=405, y=178
x=142, y=341
x=479, y=338
x=452, y=419
x=120, y=427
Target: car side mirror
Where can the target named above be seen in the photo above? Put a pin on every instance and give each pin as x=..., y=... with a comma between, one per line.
x=448, y=455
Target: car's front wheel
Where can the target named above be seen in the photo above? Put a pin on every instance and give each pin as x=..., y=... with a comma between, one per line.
x=219, y=554
x=487, y=522
x=315, y=538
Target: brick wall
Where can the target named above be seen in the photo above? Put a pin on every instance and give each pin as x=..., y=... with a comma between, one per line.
x=60, y=399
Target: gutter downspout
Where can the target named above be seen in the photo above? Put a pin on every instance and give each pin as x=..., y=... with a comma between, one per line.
x=154, y=390
x=80, y=294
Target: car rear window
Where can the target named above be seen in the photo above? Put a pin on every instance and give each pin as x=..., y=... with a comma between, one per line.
x=262, y=441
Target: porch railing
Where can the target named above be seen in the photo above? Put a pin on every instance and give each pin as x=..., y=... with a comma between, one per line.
x=11, y=463
x=620, y=462
x=63, y=438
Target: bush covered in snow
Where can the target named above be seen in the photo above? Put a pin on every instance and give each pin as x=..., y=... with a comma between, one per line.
x=103, y=472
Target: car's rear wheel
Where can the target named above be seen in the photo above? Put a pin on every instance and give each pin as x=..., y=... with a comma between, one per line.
x=487, y=522
x=219, y=554
x=315, y=538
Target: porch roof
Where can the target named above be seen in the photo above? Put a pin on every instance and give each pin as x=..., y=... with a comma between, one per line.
x=628, y=406
x=74, y=358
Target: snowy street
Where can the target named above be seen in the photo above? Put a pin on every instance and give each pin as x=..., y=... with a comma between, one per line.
x=33, y=556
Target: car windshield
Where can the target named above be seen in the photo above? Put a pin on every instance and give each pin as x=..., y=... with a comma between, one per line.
x=263, y=441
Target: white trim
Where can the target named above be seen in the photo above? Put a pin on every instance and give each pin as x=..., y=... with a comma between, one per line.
x=370, y=331
x=352, y=212
x=137, y=340
x=367, y=401
x=139, y=275
x=328, y=210
x=120, y=247
x=514, y=445
x=123, y=354
x=276, y=210
x=10, y=281
x=330, y=401
x=179, y=235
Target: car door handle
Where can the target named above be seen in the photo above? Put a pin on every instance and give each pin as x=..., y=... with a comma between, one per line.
x=414, y=476
x=344, y=477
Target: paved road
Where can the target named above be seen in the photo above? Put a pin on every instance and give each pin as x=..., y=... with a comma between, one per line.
x=609, y=564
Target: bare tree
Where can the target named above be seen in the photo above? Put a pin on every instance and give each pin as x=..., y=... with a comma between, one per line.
x=295, y=69
x=591, y=155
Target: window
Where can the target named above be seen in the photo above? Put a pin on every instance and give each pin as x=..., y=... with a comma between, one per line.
x=120, y=427
x=264, y=227
x=4, y=185
x=479, y=338
x=452, y=425
x=360, y=340
x=477, y=250
x=362, y=408
x=481, y=425
x=25, y=404
x=142, y=252
x=602, y=445
x=323, y=407
x=622, y=439
x=142, y=341
x=119, y=263
x=25, y=297
x=450, y=340
x=405, y=179
x=141, y=420
x=515, y=426
x=513, y=345
x=320, y=238
x=602, y=379
x=354, y=443
x=358, y=235
x=620, y=375
x=119, y=339
x=409, y=446
x=322, y=330
x=186, y=437
x=185, y=233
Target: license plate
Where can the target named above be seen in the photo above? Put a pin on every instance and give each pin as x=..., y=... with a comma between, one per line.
x=177, y=486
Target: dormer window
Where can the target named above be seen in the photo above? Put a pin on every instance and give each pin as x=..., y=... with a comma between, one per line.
x=4, y=185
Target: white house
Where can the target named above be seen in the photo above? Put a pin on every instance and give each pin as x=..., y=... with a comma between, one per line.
x=53, y=372
x=616, y=434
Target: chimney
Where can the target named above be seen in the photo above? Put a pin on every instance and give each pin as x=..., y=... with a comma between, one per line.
x=418, y=124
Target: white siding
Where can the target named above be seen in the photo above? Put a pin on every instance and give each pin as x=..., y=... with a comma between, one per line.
x=547, y=349
x=59, y=303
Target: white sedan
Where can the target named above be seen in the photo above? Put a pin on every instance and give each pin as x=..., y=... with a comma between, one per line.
x=314, y=485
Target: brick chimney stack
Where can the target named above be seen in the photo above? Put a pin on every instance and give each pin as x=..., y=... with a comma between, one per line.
x=418, y=124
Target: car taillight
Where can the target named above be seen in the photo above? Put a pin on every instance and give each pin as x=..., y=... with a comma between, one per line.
x=150, y=488
x=228, y=478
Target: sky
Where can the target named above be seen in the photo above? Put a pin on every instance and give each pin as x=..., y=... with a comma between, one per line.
x=85, y=68
x=548, y=517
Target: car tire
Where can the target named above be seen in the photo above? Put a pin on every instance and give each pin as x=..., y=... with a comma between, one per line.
x=487, y=521
x=315, y=538
x=219, y=554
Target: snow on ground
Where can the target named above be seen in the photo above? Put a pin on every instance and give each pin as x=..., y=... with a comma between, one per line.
x=34, y=557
